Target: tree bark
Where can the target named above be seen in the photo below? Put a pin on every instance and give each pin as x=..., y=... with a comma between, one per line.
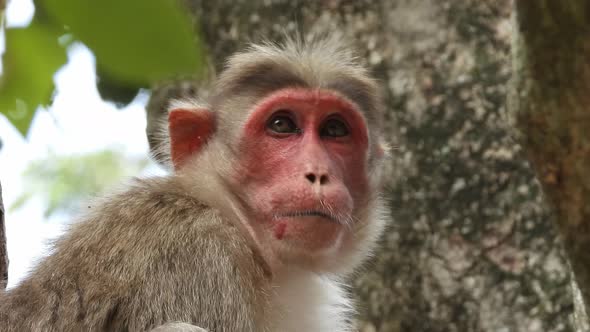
x=3, y=251
x=551, y=100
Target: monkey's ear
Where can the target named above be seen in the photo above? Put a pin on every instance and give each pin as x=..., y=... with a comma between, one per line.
x=189, y=128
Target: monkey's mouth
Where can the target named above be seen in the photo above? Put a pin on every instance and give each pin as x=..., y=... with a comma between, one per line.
x=309, y=213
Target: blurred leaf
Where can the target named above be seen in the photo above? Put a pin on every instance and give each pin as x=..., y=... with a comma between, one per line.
x=66, y=181
x=20, y=201
x=32, y=57
x=113, y=90
x=135, y=41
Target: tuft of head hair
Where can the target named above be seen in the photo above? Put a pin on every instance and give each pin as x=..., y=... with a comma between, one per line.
x=315, y=59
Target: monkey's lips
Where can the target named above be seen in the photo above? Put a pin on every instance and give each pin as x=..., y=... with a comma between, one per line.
x=309, y=230
x=309, y=214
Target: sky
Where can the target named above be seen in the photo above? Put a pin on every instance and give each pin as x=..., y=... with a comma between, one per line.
x=78, y=121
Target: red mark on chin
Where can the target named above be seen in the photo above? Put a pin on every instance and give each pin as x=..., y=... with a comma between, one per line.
x=280, y=230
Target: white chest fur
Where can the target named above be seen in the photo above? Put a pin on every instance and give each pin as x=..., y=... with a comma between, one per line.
x=307, y=302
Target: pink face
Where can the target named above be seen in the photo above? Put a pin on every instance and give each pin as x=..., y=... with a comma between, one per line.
x=303, y=168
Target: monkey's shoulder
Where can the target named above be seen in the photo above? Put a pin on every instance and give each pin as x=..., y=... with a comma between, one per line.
x=145, y=256
x=155, y=213
x=149, y=199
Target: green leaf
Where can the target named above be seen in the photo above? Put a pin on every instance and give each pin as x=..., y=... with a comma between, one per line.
x=112, y=90
x=135, y=41
x=32, y=57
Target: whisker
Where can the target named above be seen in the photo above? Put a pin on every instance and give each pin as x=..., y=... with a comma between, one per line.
x=343, y=218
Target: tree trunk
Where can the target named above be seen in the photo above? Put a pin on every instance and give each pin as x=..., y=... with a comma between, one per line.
x=3, y=251
x=551, y=103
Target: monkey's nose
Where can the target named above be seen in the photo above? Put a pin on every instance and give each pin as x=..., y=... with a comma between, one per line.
x=312, y=178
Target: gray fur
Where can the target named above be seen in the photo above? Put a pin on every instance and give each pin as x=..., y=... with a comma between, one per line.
x=178, y=327
x=118, y=270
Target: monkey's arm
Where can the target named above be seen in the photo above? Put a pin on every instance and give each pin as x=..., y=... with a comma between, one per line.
x=141, y=259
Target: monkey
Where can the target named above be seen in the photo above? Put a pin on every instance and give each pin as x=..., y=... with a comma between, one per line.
x=273, y=200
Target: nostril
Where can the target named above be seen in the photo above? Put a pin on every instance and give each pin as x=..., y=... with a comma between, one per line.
x=323, y=179
x=310, y=177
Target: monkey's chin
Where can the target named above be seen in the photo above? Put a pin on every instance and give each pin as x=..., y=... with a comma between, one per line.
x=304, y=239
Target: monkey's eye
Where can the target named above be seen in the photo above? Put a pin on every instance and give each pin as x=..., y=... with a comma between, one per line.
x=282, y=124
x=334, y=128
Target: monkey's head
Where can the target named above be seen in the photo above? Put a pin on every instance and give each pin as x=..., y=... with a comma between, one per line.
x=293, y=134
